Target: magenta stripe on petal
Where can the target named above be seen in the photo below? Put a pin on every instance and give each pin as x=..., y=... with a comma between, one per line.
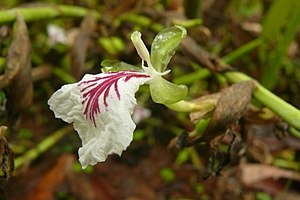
x=93, y=89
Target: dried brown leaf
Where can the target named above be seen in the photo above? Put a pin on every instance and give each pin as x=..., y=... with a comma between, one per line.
x=6, y=156
x=259, y=151
x=93, y=187
x=231, y=106
x=81, y=43
x=16, y=58
x=191, y=48
x=211, y=98
x=41, y=72
x=17, y=76
x=253, y=173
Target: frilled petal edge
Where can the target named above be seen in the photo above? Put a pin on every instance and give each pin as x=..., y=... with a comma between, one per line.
x=100, y=108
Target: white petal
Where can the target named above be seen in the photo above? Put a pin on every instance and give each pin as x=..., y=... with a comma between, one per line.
x=100, y=108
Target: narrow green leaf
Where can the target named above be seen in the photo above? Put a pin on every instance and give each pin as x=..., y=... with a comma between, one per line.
x=115, y=66
x=112, y=45
x=165, y=92
x=164, y=46
x=276, y=57
x=273, y=22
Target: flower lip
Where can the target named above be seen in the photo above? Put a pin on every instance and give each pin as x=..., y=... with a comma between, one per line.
x=100, y=87
x=100, y=108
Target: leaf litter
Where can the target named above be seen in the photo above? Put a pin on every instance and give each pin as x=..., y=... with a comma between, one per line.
x=17, y=76
x=137, y=174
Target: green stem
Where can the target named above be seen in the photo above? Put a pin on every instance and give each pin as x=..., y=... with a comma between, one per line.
x=44, y=12
x=242, y=50
x=283, y=109
x=42, y=147
x=294, y=132
x=191, y=77
x=189, y=106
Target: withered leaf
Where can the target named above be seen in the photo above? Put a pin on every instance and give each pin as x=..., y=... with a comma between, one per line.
x=6, y=156
x=47, y=184
x=81, y=43
x=41, y=72
x=17, y=76
x=231, y=106
x=211, y=98
x=253, y=173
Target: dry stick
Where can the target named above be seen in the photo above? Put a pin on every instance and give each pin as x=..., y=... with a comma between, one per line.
x=42, y=147
x=41, y=72
x=286, y=111
x=46, y=11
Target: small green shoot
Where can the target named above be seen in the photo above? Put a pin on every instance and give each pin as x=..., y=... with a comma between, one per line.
x=78, y=168
x=167, y=175
x=263, y=196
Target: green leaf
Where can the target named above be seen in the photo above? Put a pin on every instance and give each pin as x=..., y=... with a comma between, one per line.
x=165, y=92
x=164, y=46
x=273, y=22
x=278, y=55
x=115, y=66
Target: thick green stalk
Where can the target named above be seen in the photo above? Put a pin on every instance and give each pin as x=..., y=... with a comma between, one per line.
x=42, y=147
x=44, y=12
x=287, y=112
x=189, y=106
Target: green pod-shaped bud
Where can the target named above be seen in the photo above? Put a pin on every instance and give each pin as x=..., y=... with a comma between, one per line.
x=165, y=92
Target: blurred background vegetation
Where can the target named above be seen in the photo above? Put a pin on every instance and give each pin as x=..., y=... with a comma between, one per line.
x=258, y=37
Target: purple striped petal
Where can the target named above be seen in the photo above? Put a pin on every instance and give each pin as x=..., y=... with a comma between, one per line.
x=100, y=108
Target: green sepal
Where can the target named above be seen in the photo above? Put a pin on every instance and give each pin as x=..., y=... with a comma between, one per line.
x=164, y=46
x=116, y=66
x=165, y=92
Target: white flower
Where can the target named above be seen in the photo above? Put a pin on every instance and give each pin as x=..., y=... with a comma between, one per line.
x=100, y=108
x=140, y=113
x=56, y=35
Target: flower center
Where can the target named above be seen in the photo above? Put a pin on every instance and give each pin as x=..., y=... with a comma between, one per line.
x=98, y=90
